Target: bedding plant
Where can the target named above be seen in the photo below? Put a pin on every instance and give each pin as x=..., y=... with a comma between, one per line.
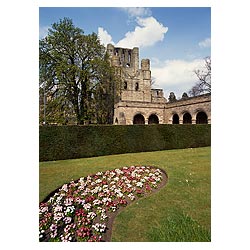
x=80, y=210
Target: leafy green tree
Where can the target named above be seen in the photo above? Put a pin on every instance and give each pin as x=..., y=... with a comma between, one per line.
x=106, y=94
x=72, y=68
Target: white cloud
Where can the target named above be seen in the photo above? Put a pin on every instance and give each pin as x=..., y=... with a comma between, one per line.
x=104, y=36
x=43, y=32
x=206, y=43
x=137, y=11
x=147, y=33
x=176, y=75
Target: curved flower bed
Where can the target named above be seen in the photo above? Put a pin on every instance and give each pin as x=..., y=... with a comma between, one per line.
x=80, y=210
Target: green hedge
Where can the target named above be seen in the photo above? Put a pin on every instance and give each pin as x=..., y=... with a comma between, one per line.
x=68, y=142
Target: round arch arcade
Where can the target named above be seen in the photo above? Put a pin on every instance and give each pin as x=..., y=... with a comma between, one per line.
x=175, y=119
x=153, y=119
x=201, y=118
x=187, y=118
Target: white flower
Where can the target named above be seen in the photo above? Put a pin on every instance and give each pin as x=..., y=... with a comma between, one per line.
x=131, y=196
x=96, y=190
x=53, y=227
x=91, y=215
x=113, y=209
x=116, y=179
x=58, y=208
x=112, y=187
x=70, y=209
x=87, y=206
x=117, y=190
x=96, y=202
x=120, y=194
x=99, y=227
x=158, y=179
x=105, y=200
x=58, y=199
x=98, y=181
x=68, y=201
x=65, y=187
x=79, y=200
x=67, y=220
x=58, y=216
x=139, y=184
x=43, y=209
x=103, y=216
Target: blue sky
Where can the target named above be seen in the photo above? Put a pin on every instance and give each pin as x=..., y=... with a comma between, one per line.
x=176, y=40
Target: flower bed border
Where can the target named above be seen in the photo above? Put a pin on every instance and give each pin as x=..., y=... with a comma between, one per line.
x=106, y=236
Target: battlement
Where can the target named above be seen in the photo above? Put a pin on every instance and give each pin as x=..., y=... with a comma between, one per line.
x=124, y=57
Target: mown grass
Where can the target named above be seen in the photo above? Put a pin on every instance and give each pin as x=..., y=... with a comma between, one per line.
x=181, y=211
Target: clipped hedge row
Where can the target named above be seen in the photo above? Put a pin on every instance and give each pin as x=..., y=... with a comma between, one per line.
x=69, y=142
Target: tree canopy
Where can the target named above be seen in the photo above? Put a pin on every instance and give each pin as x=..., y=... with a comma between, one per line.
x=75, y=74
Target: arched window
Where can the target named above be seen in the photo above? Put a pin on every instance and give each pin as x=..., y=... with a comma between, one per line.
x=139, y=119
x=136, y=86
x=187, y=118
x=175, y=119
x=153, y=119
x=201, y=118
x=125, y=85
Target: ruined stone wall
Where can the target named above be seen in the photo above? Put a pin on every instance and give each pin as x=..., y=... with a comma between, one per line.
x=125, y=111
x=192, y=105
x=136, y=82
x=137, y=97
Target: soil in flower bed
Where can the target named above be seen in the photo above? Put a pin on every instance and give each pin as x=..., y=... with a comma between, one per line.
x=84, y=210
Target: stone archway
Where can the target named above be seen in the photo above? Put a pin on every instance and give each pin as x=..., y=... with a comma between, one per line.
x=139, y=119
x=175, y=119
x=153, y=119
x=187, y=118
x=201, y=118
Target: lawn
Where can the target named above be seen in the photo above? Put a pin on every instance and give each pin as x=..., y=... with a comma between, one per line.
x=181, y=211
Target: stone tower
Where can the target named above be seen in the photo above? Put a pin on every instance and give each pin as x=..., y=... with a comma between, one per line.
x=139, y=104
x=136, y=82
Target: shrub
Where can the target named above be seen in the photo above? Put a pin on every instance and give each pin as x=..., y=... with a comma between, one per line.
x=69, y=142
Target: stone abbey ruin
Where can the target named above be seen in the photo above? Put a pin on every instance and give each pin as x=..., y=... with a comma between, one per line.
x=140, y=104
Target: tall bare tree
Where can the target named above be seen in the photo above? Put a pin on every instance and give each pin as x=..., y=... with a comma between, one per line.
x=203, y=85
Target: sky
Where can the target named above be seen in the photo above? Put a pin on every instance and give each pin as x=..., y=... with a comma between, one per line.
x=230, y=101
x=175, y=39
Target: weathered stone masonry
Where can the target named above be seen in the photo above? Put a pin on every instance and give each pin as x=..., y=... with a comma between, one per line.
x=139, y=104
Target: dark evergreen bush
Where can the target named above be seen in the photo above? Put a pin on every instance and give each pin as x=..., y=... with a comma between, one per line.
x=68, y=142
